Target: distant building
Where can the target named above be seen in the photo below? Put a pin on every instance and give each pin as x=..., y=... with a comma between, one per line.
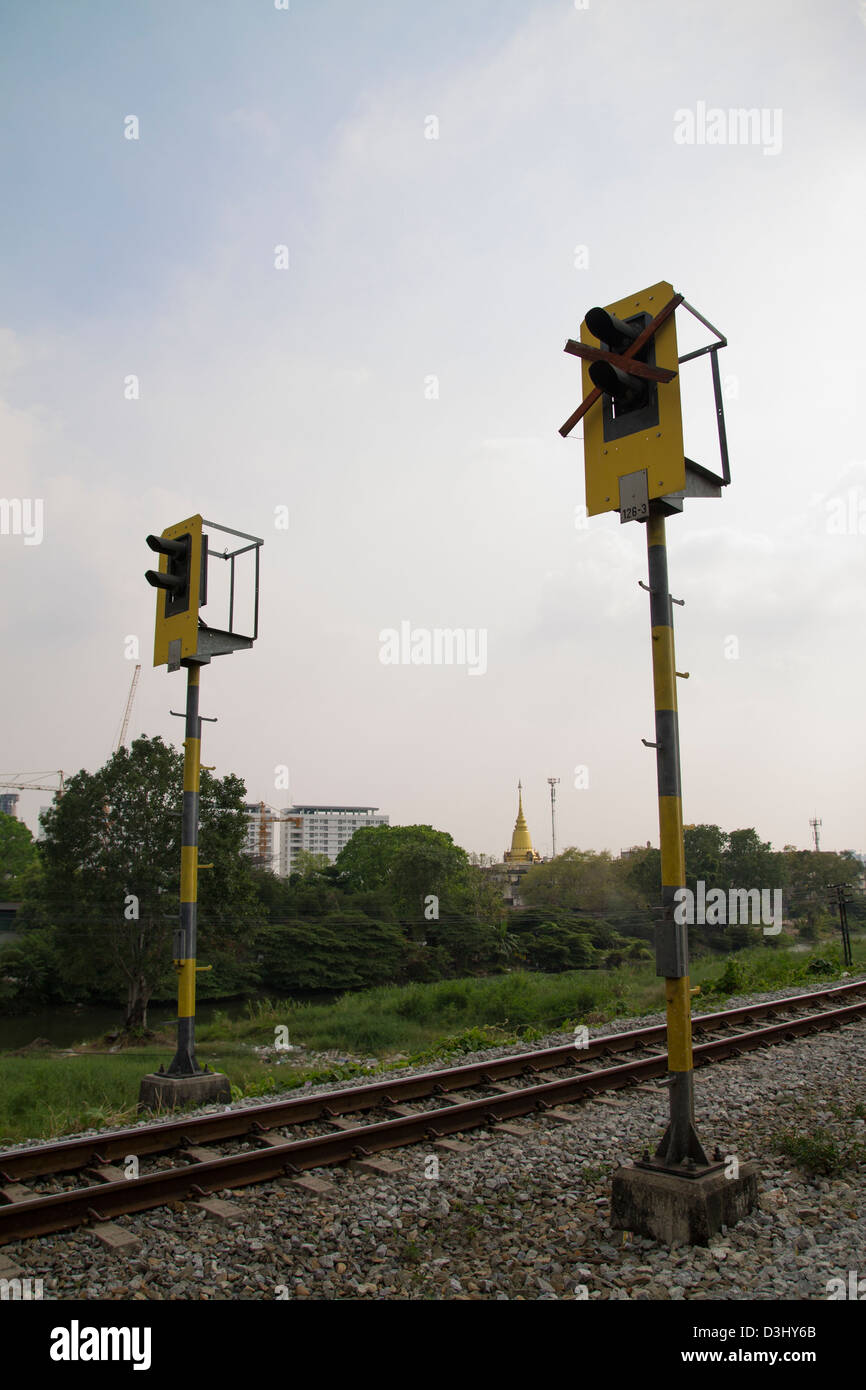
x=9, y=803
x=321, y=830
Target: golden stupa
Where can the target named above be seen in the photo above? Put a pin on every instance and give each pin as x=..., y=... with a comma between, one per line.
x=521, y=851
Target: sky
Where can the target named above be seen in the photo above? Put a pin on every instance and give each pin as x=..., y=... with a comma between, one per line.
x=319, y=263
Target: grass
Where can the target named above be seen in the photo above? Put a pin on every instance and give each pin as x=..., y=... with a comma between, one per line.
x=43, y=1096
x=412, y=1018
x=819, y=1153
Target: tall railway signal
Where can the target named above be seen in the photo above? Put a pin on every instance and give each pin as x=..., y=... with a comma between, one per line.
x=635, y=464
x=182, y=638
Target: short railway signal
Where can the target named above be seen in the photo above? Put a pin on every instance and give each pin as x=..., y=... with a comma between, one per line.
x=181, y=638
x=635, y=464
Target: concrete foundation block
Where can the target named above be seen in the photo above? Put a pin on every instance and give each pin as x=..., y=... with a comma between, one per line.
x=160, y=1092
x=681, y=1211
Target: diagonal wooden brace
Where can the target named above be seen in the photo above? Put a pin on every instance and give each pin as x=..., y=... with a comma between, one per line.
x=622, y=360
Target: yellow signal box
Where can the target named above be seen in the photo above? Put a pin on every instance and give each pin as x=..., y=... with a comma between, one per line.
x=180, y=584
x=636, y=427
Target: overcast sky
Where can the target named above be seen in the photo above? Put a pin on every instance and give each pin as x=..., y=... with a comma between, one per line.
x=455, y=184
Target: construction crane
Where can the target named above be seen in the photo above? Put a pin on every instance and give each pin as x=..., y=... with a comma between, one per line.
x=265, y=859
x=125, y=725
x=26, y=782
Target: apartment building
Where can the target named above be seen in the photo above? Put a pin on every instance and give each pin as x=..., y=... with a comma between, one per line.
x=321, y=830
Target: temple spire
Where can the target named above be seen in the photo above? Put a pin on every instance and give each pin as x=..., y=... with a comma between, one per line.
x=521, y=840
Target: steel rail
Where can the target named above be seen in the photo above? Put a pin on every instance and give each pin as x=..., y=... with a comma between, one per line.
x=57, y=1211
x=68, y=1155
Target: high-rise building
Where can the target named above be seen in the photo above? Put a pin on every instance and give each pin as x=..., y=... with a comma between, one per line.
x=9, y=803
x=321, y=830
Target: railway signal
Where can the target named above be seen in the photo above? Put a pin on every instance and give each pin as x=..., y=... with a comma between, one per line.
x=633, y=443
x=181, y=584
x=635, y=464
x=181, y=638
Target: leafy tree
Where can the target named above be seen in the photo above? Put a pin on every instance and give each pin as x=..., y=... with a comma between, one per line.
x=808, y=878
x=30, y=973
x=704, y=847
x=18, y=854
x=580, y=879
x=111, y=878
x=306, y=863
x=553, y=945
x=411, y=862
x=470, y=947
x=749, y=862
x=339, y=952
x=643, y=873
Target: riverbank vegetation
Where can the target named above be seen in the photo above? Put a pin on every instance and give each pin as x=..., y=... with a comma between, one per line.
x=46, y=1094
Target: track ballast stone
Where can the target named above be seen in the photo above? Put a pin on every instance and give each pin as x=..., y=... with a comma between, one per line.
x=521, y=1217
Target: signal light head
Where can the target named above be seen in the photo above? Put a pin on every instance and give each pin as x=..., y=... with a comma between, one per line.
x=627, y=392
x=175, y=578
x=163, y=546
x=610, y=330
x=172, y=582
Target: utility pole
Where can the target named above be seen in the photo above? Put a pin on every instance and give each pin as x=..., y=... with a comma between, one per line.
x=554, y=783
x=842, y=903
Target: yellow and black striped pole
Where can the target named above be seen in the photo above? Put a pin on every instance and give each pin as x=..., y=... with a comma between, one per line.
x=680, y=1142
x=184, y=1062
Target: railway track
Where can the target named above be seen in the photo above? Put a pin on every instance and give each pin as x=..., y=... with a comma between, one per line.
x=287, y=1137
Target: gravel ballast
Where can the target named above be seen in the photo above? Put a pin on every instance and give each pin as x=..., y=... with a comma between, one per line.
x=521, y=1216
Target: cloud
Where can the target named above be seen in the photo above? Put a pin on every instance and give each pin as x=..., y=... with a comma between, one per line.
x=261, y=128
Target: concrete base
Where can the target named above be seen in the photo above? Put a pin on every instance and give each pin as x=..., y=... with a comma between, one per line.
x=161, y=1092
x=681, y=1211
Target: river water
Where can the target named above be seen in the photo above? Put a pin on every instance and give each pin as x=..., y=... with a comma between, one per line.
x=64, y=1027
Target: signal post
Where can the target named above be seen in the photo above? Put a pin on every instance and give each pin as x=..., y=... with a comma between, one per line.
x=635, y=464
x=183, y=639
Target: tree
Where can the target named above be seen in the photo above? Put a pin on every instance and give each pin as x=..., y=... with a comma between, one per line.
x=808, y=877
x=704, y=847
x=412, y=862
x=749, y=862
x=581, y=879
x=18, y=853
x=111, y=857
x=341, y=951
x=306, y=863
